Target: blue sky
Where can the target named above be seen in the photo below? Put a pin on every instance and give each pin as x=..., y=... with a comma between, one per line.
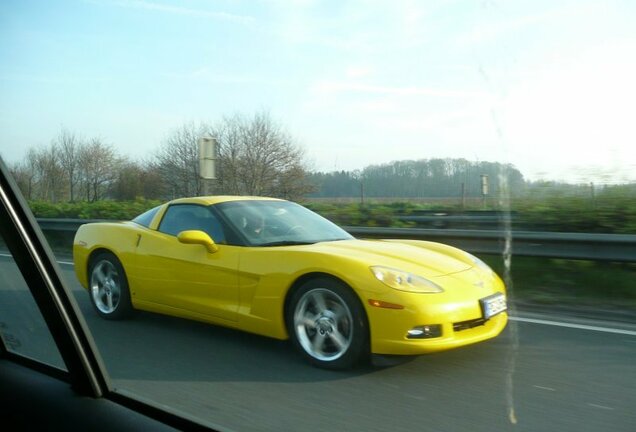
x=546, y=85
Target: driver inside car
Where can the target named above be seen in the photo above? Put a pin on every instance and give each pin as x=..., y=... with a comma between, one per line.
x=253, y=224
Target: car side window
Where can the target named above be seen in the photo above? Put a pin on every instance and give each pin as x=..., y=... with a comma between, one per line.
x=182, y=217
x=145, y=219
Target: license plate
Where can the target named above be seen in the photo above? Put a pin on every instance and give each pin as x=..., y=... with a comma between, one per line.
x=493, y=305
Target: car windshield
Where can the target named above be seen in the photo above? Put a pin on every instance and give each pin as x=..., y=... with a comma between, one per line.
x=161, y=146
x=279, y=223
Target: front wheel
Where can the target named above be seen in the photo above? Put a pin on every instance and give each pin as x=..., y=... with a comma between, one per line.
x=108, y=287
x=327, y=324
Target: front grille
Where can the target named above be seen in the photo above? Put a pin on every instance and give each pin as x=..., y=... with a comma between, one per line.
x=465, y=325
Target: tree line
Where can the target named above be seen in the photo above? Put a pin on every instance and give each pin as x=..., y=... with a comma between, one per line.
x=256, y=156
x=70, y=168
x=425, y=178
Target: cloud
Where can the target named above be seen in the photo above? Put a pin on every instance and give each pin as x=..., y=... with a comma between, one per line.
x=178, y=10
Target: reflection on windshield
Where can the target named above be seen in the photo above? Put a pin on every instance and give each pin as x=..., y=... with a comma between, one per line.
x=277, y=223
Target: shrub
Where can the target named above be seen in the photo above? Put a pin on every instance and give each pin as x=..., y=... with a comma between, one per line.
x=114, y=210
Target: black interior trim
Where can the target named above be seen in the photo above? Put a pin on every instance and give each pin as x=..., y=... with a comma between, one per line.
x=178, y=421
x=32, y=401
x=38, y=366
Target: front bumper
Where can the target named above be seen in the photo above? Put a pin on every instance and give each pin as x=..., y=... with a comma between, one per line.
x=397, y=343
x=459, y=316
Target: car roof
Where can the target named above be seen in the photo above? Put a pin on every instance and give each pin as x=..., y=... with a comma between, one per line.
x=216, y=199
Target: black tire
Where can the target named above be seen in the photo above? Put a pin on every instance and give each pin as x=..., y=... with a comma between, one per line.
x=108, y=287
x=327, y=324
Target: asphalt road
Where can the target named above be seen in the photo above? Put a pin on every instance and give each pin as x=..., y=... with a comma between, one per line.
x=534, y=377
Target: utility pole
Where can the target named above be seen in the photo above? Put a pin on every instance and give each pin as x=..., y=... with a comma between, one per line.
x=208, y=147
x=463, y=196
x=361, y=192
x=484, y=189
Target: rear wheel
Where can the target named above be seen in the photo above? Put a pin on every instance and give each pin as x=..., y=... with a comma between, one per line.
x=108, y=287
x=327, y=324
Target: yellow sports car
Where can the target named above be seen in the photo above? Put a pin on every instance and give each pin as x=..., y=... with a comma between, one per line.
x=275, y=268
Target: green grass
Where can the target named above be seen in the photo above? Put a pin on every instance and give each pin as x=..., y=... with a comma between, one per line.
x=570, y=282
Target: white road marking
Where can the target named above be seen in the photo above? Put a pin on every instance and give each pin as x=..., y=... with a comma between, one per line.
x=601, y=406
x=544, y=388
x=574, y=326
x=59, y=262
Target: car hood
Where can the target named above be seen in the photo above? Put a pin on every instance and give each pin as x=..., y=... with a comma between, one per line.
x=416, y=257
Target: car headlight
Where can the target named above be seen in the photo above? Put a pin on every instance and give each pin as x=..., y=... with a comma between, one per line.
x=479, y=263
x=405, y=281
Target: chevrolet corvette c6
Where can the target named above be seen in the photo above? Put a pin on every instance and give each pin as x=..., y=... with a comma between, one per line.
x=275, y=268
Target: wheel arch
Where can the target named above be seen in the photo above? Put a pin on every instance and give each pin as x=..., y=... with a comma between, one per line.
x=97, y=251
x=124, y=308
x=318, y=275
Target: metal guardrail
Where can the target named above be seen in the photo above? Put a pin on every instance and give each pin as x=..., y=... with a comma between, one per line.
x=480, y=219
x=71, y=225
x=597, y=247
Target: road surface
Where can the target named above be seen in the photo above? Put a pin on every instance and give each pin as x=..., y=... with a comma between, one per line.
x=544, y=373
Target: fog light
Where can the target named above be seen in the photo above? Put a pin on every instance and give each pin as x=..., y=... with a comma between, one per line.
x=425, y=332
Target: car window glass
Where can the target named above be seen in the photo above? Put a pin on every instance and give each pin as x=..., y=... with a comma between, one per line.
x=22, y=328
x=279, y=222
x=182, y=217
x=145, y=219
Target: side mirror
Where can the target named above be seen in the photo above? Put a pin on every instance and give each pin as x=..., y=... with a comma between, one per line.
x=198, y=237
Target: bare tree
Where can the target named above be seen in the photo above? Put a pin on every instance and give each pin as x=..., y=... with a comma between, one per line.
x=259, y=158
x=152, y=185
x=70, y=148
x=48, y=172
x=137, y=179
x=25, y=175
x=128, y=182
x=256, y=157
x=70, y=168
x=177, y=160
x=98, y=165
